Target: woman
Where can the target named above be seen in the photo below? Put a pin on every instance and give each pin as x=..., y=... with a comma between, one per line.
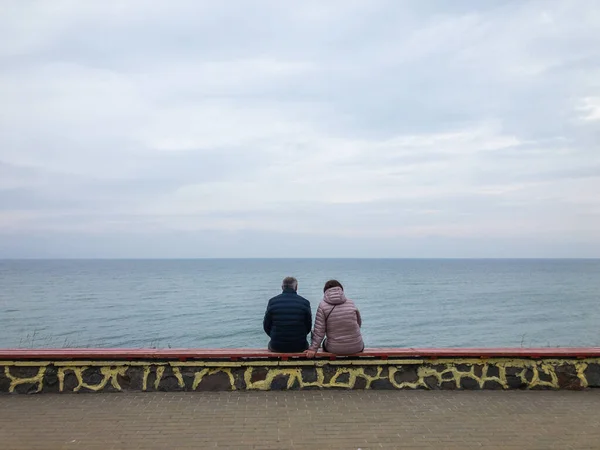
x=337, y=320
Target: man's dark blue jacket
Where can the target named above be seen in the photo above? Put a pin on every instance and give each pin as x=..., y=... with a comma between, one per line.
x=287, y=322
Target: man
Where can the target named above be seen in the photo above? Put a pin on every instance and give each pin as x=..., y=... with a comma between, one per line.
x=288, y=319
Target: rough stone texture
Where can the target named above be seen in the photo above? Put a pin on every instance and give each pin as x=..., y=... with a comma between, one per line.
x=469, y=383
x=361, y=383
x=51, y=382
x=215, y=382
x=70, y=382
x=492, y=371
x=433, y=383
x=382, y=384
x=279, y=382
x=309, y=374
x=303, y=420
x=4, y=383
x=135, y=378
x=592, y=374
x=444, y=374
x=261, y=375
x=491, y=385
x=26, y=388
x=406, y=374
x=514, y=379
x=567, y=377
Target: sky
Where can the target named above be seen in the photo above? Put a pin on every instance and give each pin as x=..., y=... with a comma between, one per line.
x=397, y=129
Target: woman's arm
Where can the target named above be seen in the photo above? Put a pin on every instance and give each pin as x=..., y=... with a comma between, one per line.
x=319, y=331
x=358, y=318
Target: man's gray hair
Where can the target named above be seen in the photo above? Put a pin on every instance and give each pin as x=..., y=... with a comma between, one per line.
x=290, y=283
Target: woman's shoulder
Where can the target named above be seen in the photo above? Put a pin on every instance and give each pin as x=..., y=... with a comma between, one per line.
x=350, y=303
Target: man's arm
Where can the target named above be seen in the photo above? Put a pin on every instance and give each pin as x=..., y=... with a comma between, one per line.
x=267, y=322
x=308, y=318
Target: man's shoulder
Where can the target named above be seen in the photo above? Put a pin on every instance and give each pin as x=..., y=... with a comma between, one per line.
x=302, y=299
x=289, y=296
x=277, y=297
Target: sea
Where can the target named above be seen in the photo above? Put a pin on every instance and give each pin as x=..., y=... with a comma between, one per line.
x=220, y=303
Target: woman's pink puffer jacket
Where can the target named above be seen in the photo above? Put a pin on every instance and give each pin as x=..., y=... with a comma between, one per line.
x=339, y=321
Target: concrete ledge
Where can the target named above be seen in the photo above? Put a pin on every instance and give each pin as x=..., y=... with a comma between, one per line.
x=245, y=353
x=115, y=370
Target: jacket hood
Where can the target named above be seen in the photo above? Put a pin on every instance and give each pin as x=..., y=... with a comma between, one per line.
x=334, y=296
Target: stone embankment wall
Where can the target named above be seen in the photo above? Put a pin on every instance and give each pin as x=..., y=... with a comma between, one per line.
x=97, y=374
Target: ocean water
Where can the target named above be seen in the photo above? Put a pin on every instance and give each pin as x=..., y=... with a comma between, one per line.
x=220, y=303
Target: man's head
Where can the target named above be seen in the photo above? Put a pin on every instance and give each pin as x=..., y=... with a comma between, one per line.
x=289, y=283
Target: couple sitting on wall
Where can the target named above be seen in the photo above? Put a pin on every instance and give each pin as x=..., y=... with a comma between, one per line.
x=288, y=320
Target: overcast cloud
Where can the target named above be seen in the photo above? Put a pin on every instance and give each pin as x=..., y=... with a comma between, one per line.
x=185, y=128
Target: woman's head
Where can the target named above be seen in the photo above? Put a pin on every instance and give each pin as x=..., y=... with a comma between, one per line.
x=331, y=284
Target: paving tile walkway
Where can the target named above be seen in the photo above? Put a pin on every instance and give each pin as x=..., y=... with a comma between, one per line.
x=303, y=420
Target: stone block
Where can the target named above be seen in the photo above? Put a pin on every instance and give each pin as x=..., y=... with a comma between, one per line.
x=343, y=378
x=259, y=374
x=24, y=371
x=492, y=385
x=528, y=375
x=469, y=383
x=238, y=376
x=328, y=372
x=136, y=377
x=92, y=376
x=219, y=381
x=464, y=368
x=592, y=374
x=169, y=381
x=493, y=371
x=448, y=385
x=513, y=378
x=372, y=371
x=51, y=382
x=279, y=383
x=544, y=375
x=4, y=381
x=432, y=382
x=309, y=374
x=383, y=384
x=124, y=382
x=360, y=383
x=151, y=379
x=406, y=374
x=567, y=377
x=26, y=388
x=70, y=381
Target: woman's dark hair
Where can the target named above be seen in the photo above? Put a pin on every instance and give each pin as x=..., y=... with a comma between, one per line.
x=331, y=284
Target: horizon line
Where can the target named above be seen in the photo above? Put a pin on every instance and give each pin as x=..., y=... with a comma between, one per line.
x=508, y=258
